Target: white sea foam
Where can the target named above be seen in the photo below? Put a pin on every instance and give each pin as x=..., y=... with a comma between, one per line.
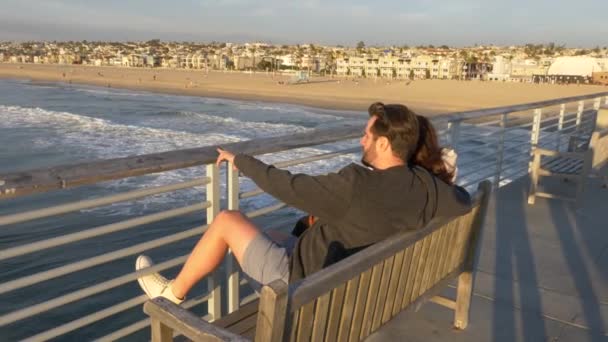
x=101, y=138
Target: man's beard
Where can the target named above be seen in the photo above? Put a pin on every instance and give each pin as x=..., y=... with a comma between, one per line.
x=365, y=162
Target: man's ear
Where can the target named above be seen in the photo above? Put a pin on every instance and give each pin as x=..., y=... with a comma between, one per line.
x=383, y=144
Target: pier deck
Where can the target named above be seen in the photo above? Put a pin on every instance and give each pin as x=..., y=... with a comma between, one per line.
x=541, y=275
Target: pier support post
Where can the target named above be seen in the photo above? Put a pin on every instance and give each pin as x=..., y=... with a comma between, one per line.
x=500, y=150
x=560, y=125
x=232, y=182
x=579, y=115
x=453, y=133
x=214, y=304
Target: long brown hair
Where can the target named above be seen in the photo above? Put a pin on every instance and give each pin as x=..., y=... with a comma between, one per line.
x=428, y=152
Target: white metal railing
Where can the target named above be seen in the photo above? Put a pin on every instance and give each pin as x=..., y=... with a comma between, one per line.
x=497, y=147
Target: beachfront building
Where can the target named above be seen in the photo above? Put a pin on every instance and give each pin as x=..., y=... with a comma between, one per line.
x=372, y=67
x=524, y=70
x=575, y=69
x=387, y=66
x=501, y=69
x=403, y=68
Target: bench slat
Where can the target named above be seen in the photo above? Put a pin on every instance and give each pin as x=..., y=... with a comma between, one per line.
x=447, y=267
x=422, y=260
x=405, y=268
x=321, y=313
x=238, y=315
x=370, y=303
x=392, y=286
x=412, y=274
x=443, y=240
x=335, y=311
x=305, y=322
x=382, y=293
x=362, y=293
x=428, y=265
x=349, y=306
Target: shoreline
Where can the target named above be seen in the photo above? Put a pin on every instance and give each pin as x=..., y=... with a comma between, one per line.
x=428, y=97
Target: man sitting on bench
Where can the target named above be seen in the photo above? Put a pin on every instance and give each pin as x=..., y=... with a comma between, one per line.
x=405, y=184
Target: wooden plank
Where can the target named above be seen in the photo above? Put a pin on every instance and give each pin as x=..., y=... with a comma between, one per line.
x=382, y=292
x=306, y=318
x=392, y=287
x=448, y=303
x=443, y=246
x=243, y=312
x=243, y=325
x=362, y=292
x=370, y=303
x=160, y=332
x=412, y=274
x=457, y=247
x=320, y=319
x=405, y=268
x=335, y=311
x=430, y=261
x=185, y=322
x=346, y=318
x=294, y=325
x=422, y=260
x=453, y=235
x=272, y=313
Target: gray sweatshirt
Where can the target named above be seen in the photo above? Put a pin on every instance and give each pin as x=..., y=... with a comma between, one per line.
x=356, y=207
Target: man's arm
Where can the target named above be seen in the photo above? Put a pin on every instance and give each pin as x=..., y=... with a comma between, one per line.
x=328, y=196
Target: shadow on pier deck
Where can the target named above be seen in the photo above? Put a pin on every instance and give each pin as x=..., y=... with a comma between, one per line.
x=541, y=275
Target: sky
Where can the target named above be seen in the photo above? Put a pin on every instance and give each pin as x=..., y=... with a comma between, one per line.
x=580, y=23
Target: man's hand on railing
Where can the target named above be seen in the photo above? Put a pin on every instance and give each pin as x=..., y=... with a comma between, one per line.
x=225, y=156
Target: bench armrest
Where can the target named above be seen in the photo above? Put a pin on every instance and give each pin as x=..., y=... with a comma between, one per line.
x=552, y=153
x=578, y=142
x=185, y=322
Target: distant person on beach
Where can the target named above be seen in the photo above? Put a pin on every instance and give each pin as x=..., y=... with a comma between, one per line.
x=352, y=209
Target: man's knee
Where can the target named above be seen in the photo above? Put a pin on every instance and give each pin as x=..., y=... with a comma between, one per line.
x=229, y=215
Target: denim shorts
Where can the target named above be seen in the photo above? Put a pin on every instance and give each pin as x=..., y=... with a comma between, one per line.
x=265, y=261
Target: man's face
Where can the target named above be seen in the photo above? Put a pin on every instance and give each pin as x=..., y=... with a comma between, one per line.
x=368, y=143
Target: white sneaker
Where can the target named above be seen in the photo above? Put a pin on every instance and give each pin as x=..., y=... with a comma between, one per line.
x=154, y=285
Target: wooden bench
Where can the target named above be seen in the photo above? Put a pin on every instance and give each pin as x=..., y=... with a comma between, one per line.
x=353, y=298
x=581, y=160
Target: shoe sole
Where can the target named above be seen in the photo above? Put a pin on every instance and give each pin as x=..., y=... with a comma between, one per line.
x=139, y=266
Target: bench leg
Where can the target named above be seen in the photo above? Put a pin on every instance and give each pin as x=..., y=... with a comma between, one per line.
x=463, y=300
x=161, y=332
x=533, y=178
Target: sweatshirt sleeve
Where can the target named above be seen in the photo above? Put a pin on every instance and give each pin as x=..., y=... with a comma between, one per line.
x=327, y=196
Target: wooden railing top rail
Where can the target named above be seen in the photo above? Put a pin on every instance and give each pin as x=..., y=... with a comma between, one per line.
x=476, y=114
x=65, y=176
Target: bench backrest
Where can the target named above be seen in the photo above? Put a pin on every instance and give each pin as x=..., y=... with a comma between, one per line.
x=601, y=121
x=599, y=147
x=354, y=297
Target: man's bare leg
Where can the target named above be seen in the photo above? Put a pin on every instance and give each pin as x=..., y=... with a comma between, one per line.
x=230, y=229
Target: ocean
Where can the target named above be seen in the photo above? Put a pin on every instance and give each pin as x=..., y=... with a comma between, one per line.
x=47, y=124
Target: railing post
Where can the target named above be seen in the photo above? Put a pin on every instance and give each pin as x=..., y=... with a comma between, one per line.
x=453, y=133
x=560, y=125
x=232, y=182
x=500, y=150
x=214, y=304
x=535, y=134
x=579, y=115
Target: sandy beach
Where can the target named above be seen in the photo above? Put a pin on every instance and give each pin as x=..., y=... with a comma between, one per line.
x=424, y=96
